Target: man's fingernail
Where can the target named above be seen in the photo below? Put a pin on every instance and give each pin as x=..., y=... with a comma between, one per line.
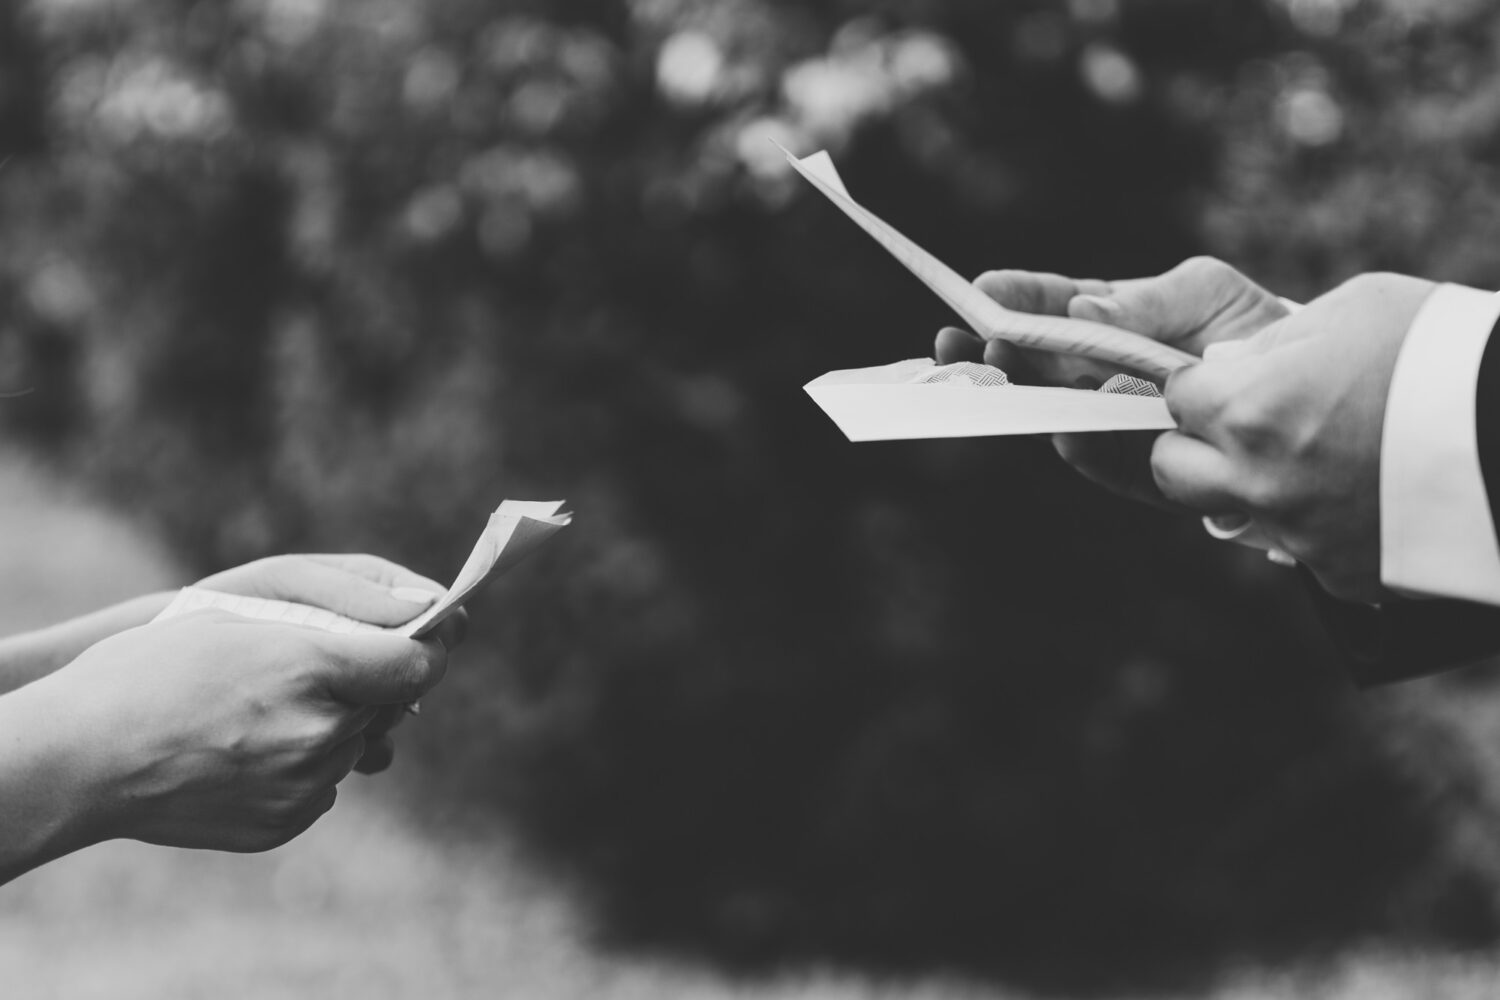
x=1108, y=309
x=413, y=595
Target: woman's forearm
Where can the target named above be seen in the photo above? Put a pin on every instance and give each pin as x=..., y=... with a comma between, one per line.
x=51, y=792
x=31, y=655
x=50, y=799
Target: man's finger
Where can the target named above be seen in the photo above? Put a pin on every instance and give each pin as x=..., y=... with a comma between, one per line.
x=1183, y=305
x=1288, y=331
x=1194, y=474
x=1029, y=291
x=1120, y=462
x=1352, y=587
x=1197, y=395
x=367, y=668
x=954, y=345
x=1013, y=361
x=1033, y=292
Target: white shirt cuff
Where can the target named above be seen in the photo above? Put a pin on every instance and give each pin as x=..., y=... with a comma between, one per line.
x=1437, y=538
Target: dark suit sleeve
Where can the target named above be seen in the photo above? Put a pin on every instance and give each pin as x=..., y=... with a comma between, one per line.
x=1404, y=639
x=1487, y=421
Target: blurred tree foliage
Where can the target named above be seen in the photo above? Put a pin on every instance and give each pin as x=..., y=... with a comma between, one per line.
x=323, y=274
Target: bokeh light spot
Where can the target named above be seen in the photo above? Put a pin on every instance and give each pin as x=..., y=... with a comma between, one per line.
x=689, y=67
x=1310, y=116
x=1110, y=74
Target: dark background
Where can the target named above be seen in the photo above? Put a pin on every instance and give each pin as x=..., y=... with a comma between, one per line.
x=285, y=275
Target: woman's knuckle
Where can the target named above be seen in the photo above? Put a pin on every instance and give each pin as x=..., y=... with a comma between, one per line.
x=1203, y=266
x=315, y=738
x=280, y=814
x=301, y=646
x=409, y=685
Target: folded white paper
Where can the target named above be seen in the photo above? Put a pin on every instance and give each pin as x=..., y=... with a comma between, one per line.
x=986, y=317
x=916, y=399
x=516, y=529
x=902, y=401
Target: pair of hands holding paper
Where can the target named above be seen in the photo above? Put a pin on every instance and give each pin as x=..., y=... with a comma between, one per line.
x=207, y=730
x=1281, y=421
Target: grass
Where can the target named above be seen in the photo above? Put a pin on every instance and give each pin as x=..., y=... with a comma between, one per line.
x=370, y=904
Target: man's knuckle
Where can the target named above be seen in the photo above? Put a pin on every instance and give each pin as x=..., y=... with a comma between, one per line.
x=1161, y=467
x=1266, y=495
x=1180, y=392
x=1248, y=421
x=1302, y=444
x=1364, y=283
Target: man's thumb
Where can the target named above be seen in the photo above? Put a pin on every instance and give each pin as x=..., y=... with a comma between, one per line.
x=1198, y=298
x=367, y=668
x=1104, y=309
x=1150, y=307
x=1278, y=334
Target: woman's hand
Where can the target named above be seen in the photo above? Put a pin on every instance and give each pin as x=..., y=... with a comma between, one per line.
x=364, y=587
x=208, y=731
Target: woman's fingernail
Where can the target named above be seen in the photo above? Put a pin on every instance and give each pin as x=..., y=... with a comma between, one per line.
x=413, y=595
x=1108, y=309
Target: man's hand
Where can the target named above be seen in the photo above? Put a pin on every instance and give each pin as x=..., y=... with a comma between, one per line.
x=214, y=731
x=1200, y=302
x=364, y=587
x=1286, y=427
